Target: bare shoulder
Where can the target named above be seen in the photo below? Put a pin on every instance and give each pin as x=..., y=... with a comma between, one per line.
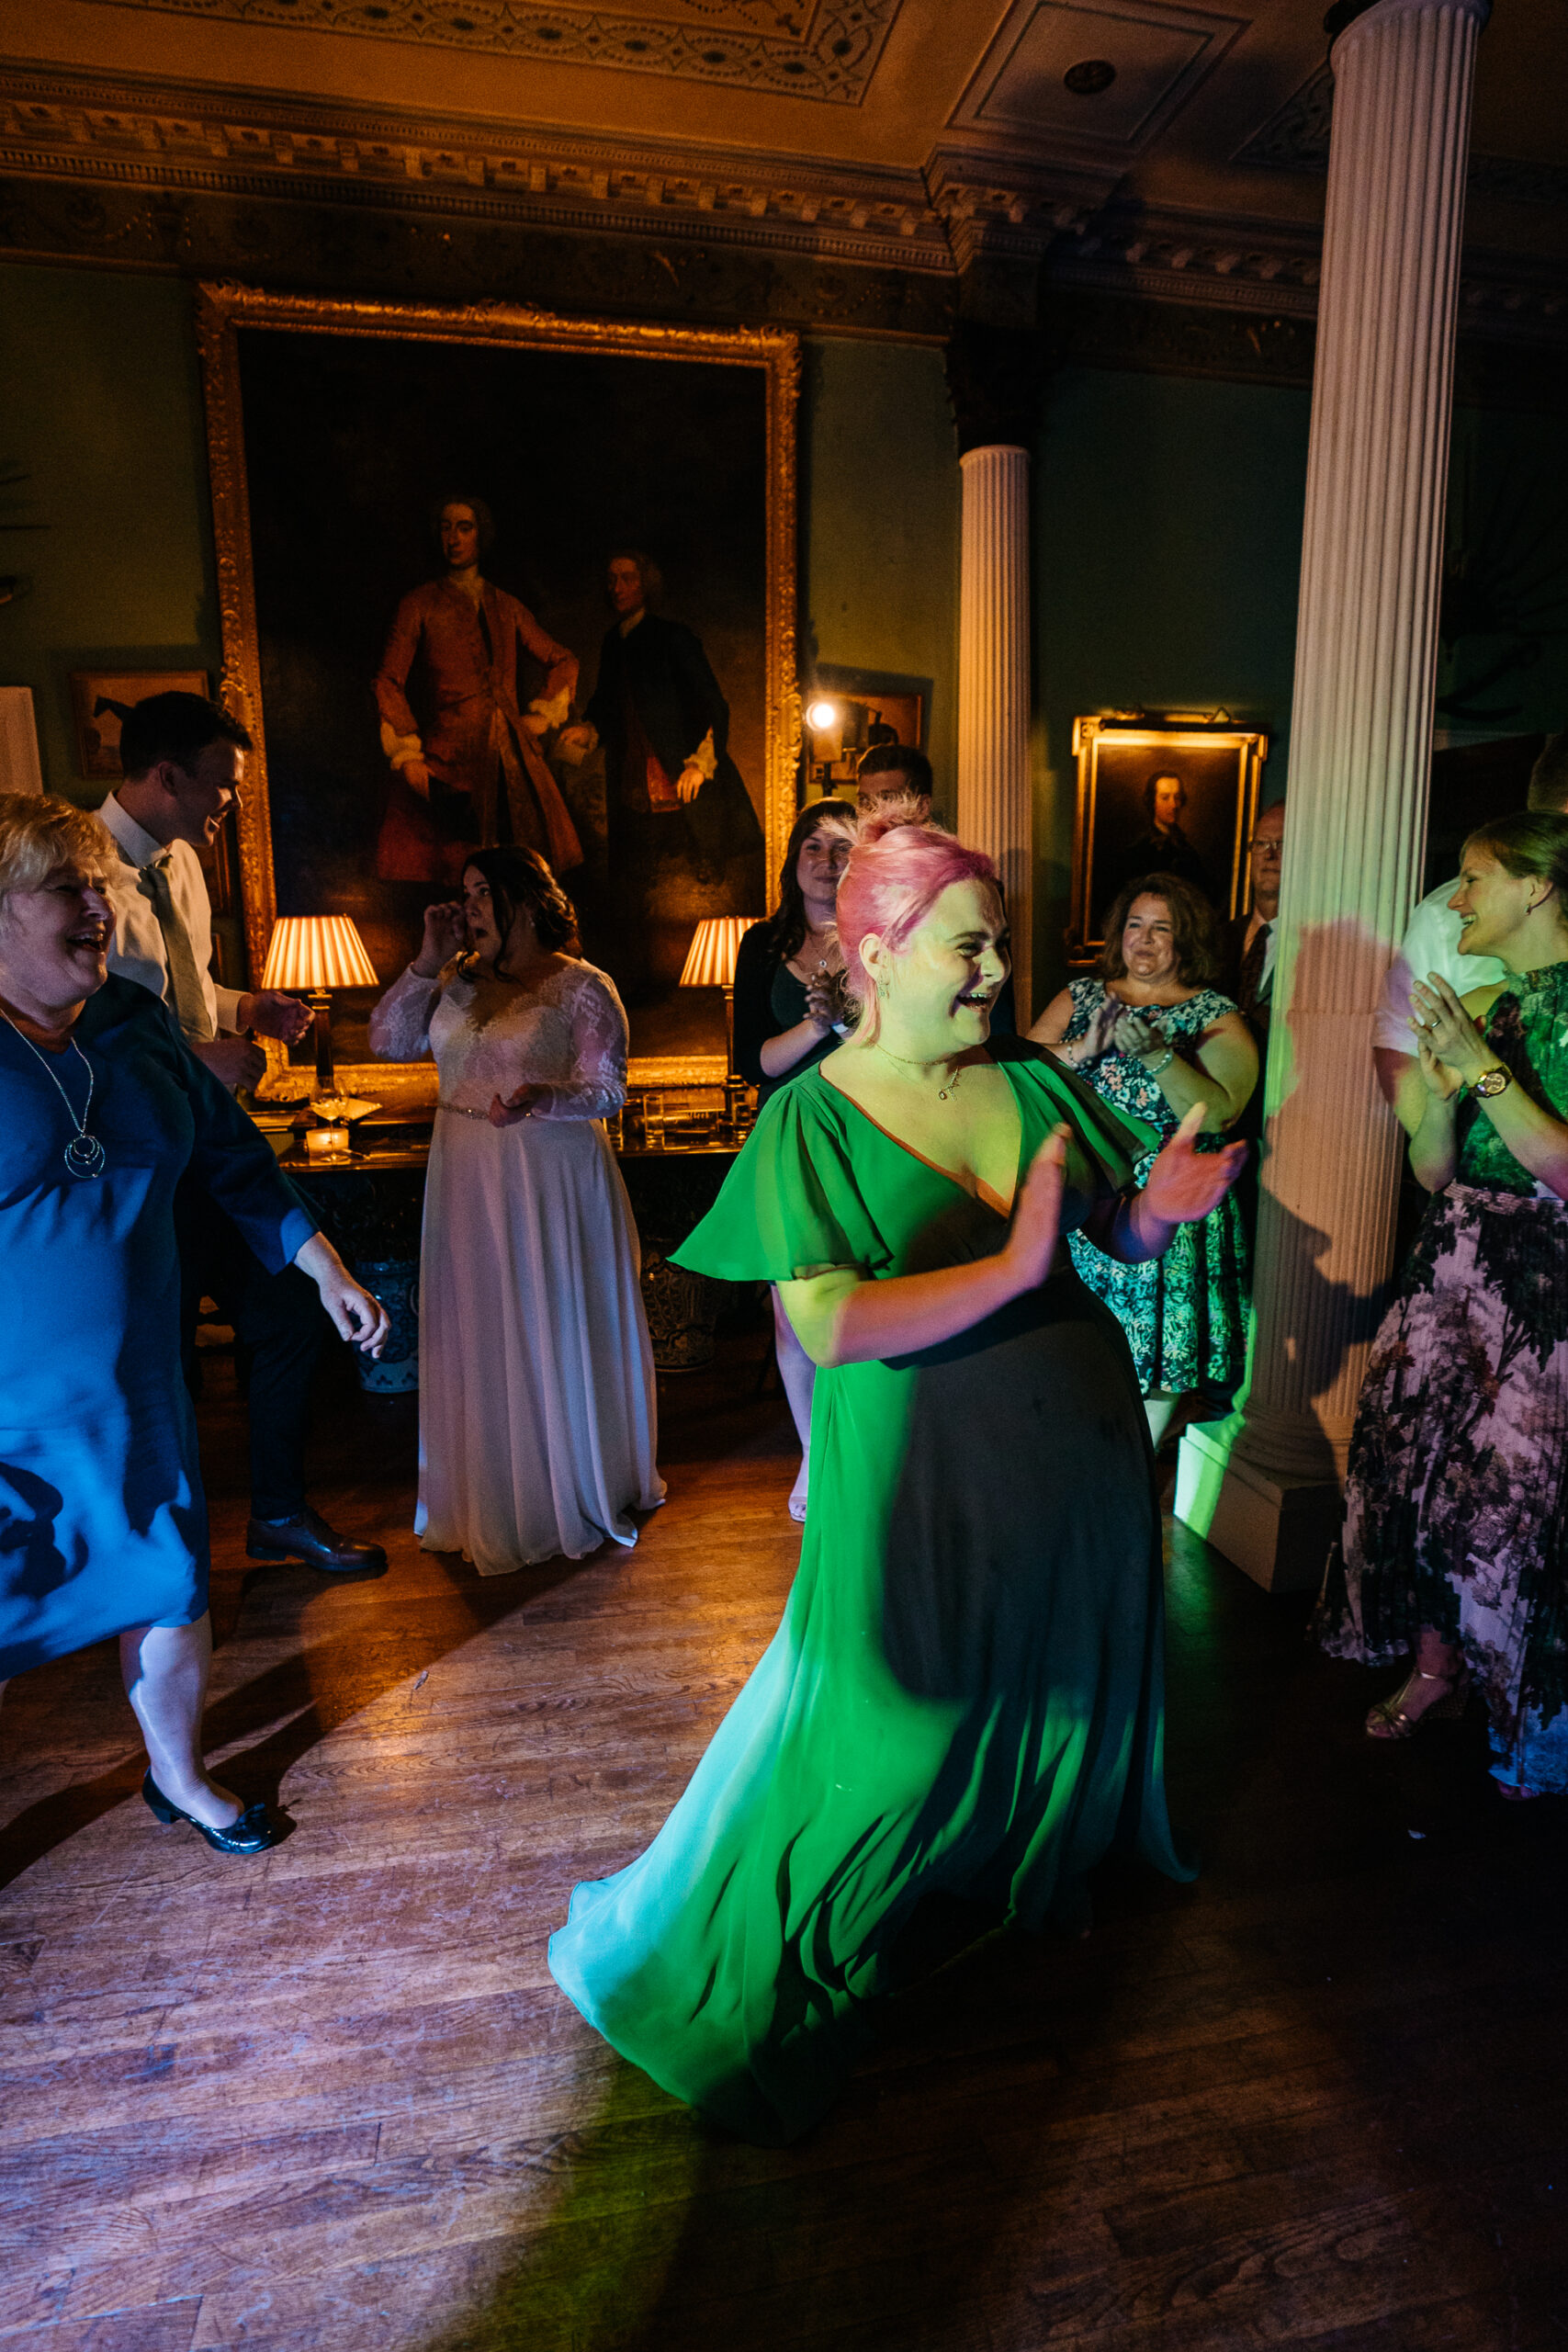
x=1048, y=1028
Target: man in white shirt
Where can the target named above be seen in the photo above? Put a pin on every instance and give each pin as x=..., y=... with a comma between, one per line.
x=184, y=761
x=1431, y=943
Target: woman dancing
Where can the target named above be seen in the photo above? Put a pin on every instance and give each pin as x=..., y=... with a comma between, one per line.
x=1454, y=1544
x=966, y=1693
x=535, y=1376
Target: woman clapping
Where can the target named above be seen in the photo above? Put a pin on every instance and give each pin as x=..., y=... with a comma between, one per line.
x=1454, y=1546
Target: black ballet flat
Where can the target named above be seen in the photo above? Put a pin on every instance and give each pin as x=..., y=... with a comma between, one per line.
x=253, y=1832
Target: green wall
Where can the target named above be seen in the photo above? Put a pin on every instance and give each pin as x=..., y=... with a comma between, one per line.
x=1167, y=521
x=101, y=408
x=1167, y=533
x=879, y=502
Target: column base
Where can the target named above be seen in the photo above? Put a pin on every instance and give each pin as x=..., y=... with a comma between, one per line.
x=1276, y=1528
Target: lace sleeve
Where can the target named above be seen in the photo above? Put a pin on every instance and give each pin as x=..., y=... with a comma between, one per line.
x=399, y=1025
x=597, y=1086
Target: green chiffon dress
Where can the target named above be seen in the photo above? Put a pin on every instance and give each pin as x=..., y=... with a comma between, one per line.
x=965, y=1695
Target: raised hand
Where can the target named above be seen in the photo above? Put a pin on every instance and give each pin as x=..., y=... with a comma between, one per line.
x=1135, y=1032
x=446, y=936
x=1037, y=1213
x=1185, y=1183
x=1446, y=1034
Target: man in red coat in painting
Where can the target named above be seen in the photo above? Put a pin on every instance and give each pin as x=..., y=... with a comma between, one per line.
x=473, y=774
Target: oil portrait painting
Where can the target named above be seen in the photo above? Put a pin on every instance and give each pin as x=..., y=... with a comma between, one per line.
x=499, y=583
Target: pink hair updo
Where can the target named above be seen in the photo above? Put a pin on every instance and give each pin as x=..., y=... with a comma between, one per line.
x=895, y=876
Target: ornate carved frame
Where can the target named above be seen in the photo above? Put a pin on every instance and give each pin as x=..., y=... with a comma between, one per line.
x=221, y=310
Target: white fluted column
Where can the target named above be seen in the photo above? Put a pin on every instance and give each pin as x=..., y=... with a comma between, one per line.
x=995, y=800
x=1361, y=754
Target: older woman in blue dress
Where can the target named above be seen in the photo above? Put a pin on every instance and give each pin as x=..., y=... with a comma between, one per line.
x=103, y=1109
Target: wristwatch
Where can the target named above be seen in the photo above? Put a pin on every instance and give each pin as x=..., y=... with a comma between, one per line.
x=1492, y=1082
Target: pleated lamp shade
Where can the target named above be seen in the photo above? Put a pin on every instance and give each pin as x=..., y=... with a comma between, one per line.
x=710, y=959
x=317, y=952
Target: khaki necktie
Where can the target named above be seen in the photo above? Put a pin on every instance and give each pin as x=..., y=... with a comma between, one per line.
x=184, y=974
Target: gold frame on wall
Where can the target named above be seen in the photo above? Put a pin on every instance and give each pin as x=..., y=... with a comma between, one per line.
x=1248, y=746
x=221, y=310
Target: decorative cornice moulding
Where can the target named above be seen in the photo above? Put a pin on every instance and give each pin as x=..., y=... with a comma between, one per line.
x=336, y=197
x=826, y=50
x=204, y=142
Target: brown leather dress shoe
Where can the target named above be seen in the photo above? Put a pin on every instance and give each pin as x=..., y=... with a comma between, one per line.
x=307, y=1537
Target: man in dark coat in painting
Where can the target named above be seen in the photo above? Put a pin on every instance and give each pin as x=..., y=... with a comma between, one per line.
x=1161, y=848
x=678, y=815
x=472, y=773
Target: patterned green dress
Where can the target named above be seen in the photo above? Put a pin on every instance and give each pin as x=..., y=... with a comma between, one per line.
x=1458, y=1478
x=1185, y=1314
x=966, y=1696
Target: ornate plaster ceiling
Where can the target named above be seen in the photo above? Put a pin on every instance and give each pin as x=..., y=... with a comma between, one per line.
x=815, y=49
x=1153, y=146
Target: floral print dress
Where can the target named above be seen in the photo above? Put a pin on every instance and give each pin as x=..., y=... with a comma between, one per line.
x=1457, y=1472
x=1185, y=1314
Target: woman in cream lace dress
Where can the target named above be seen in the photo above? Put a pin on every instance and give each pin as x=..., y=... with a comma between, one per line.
x=538, y=1427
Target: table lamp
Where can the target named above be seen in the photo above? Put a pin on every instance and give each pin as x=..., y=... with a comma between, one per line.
x=710, y=963
x=310, y=956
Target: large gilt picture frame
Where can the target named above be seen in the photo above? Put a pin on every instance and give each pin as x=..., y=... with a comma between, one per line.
x=396, y=727
x=1197, y=827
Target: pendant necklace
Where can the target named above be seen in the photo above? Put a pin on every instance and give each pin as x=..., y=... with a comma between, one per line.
x=83, y=1155
x=906, y=1061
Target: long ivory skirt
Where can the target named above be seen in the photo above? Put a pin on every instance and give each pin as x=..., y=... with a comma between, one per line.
x=537, y=1417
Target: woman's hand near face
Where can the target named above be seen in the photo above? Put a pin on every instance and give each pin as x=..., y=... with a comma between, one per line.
x=446, y=936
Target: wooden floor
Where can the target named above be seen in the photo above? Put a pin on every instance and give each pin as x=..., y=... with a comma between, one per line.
x=332, y=2100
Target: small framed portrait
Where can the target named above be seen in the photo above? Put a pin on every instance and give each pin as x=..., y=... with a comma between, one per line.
x=851, y=712
x=1159, y=799
x=97, y=696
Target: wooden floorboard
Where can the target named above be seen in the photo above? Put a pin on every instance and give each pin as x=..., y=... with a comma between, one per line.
x=330, y=2101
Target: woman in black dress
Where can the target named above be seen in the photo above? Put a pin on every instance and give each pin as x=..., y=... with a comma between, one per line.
x=789, y=979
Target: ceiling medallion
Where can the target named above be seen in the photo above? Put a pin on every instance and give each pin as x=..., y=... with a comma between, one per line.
x=1088, y=79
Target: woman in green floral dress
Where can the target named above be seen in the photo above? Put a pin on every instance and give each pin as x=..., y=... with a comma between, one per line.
x=1154, y=1038
x=1456, y=1545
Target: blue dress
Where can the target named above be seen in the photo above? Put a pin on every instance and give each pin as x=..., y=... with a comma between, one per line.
x=103, y=1523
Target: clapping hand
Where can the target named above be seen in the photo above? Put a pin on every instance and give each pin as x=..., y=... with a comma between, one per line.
x=1037, y=1212
x=1450, y=1047
x=1135, y=1034
x=1095, y=1041
x=273, y=1014
x=1185, y=1183
x=822, y=1004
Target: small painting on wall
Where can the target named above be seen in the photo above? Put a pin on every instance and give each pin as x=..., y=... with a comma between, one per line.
x=94, y=696
x=1159, y=798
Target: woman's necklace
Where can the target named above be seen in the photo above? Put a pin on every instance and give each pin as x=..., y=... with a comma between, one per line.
x=907, y=1061
x=83, y=1154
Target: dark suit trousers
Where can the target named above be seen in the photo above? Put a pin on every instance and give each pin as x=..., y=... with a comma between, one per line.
x=279, y=1325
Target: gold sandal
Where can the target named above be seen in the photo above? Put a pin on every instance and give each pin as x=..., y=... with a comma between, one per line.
x=1388, y=1719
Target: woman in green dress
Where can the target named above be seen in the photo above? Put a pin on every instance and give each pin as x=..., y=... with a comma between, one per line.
x=966, y=1694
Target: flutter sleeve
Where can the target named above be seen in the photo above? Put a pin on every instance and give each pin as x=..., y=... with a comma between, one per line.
x=789, y=1206
x=597, y=1086
x=399, y=1025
